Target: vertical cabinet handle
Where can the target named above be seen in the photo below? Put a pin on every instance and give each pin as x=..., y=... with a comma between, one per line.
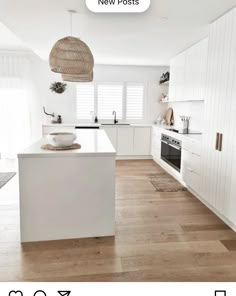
x=220, y=142
x=217, y=141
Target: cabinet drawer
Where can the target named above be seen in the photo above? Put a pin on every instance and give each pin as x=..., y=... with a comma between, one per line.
x=192, y=146
x=191, y=161
x=192, y=180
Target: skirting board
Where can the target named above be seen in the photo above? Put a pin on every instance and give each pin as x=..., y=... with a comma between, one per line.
x=222, y=217
x=177, y=176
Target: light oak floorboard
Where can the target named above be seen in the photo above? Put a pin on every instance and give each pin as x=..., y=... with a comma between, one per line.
x=160, y=236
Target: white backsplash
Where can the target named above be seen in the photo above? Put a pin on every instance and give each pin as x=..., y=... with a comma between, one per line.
x=193, y=109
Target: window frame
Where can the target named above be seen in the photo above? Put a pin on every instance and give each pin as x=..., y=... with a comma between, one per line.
x=124, y=101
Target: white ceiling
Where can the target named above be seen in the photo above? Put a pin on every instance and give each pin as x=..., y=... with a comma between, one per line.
x=8, y=40
x=151, y=38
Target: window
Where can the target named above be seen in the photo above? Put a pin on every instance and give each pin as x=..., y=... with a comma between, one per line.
x=134, y=101
x=110, y=97
x=127, y=99
x=85, y=101
x=15, y=127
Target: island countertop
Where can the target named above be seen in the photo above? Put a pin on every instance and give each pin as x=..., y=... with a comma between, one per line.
x=93, y=143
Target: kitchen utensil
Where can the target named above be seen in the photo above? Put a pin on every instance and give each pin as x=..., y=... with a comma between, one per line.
x=184, y=124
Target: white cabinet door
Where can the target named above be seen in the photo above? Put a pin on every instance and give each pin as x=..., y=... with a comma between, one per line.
x=125, y=141
x=156, y=144
x=198, y=70
x=180, y=77
x=177, y=77
x=112, y=135
x=142, y=139
x=191, y=69
x=172, y=84
x=217, y=169
x=188, y=73
x=202, y=69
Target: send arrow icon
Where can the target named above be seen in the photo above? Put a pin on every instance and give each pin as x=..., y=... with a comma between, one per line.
x=64, y=293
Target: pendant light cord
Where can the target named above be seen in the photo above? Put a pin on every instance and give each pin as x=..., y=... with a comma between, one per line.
x=71, y=12
x=71, y=24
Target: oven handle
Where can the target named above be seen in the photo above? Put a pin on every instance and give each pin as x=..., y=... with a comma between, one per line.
x=165, y=142
x=176, y=147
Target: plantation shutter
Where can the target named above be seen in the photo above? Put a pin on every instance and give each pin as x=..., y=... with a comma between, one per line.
x=134, y=101
x=109, y=98
x=85, y=101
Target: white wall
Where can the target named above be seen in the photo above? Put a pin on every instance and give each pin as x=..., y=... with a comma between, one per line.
x=24, y=65
x=65, y=104
x=36, y=103
x=193, y=109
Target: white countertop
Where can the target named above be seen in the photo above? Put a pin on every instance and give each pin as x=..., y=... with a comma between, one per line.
x=71, y=124
x=97, y=125
x=93, y=143
x=194, y=137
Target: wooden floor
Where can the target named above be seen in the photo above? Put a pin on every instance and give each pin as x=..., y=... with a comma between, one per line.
x=159, y=237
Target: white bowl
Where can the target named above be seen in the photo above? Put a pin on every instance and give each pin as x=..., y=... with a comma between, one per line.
x=60, y=139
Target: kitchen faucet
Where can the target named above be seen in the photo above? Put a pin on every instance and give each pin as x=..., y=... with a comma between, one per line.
x=115, y=120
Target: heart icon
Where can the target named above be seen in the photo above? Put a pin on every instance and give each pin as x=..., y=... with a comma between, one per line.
x=15, y=293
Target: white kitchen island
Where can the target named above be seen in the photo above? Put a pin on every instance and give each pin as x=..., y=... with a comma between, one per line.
x=68, y=194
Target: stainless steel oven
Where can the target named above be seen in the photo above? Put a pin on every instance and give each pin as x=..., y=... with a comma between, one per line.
x=171, y=151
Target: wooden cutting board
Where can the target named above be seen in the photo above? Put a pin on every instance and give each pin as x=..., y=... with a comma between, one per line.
x=169, y=116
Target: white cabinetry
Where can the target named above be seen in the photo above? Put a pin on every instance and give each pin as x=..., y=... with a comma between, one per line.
x=191, y=165
x=180, y=77
x=173, y=78
x=142, y=140
x=125, y=141
x=130, y=141
x=188, y=73
x=156, y=143
x=112, y=135
x=219, y=165
x=177, y=77
x=190, y=173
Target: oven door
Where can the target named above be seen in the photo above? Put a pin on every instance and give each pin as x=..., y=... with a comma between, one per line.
x=171, y=154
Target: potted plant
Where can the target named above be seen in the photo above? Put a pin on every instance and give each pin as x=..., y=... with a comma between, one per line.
x=58, y=87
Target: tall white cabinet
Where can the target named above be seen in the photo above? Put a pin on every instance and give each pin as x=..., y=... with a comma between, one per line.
x=219, y=138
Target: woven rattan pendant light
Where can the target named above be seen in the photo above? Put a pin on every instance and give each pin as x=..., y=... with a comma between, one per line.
x=77, y=78
x=71, y=57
